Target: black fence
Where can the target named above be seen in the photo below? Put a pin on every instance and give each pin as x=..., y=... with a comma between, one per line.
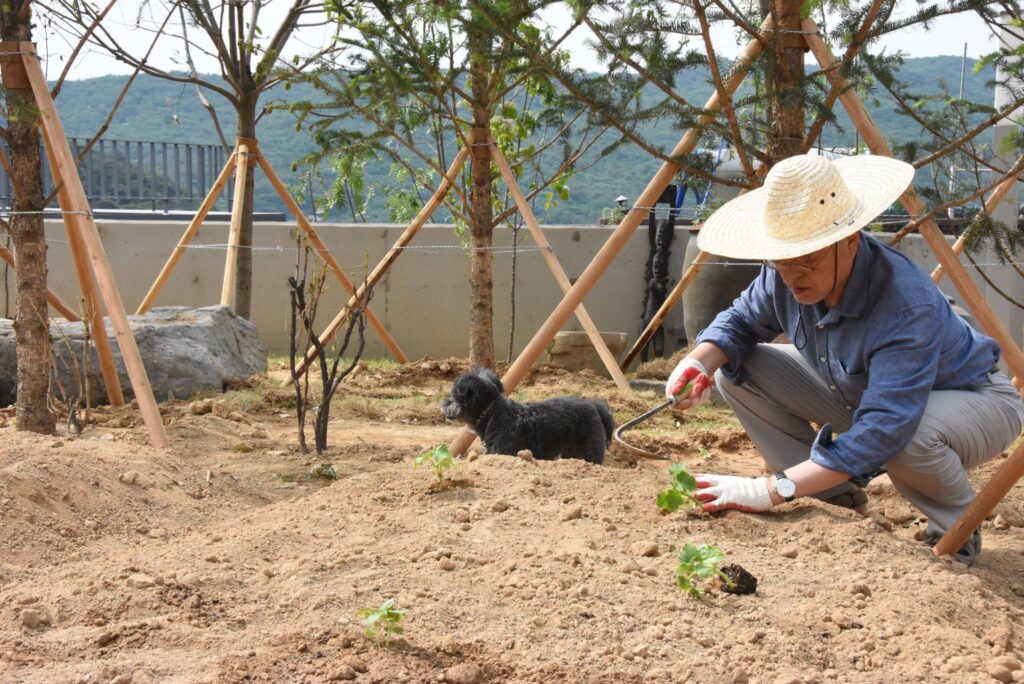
x=127, y=174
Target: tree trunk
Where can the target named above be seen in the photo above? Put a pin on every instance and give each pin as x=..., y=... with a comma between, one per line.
x=785, y=77
x=481, y=219
x=246, y=128
x=31, y=318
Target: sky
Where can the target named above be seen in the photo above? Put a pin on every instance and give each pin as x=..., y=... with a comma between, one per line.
x=946, y=37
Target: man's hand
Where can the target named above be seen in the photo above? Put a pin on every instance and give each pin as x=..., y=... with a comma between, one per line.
x=720, y=492
x=689, y=384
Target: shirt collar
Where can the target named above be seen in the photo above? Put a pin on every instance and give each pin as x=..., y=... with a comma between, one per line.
x=854, y=301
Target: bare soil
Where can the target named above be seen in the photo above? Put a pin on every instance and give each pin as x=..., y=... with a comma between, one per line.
x=221, y=560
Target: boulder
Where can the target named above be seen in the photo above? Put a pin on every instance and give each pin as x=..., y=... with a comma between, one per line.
x=573, y=351
x=184, y=350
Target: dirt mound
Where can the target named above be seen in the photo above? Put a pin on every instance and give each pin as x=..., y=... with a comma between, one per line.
x=233, y=558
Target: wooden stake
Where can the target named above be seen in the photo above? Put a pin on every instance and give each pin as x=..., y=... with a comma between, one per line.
x=55, y=301
x=621, y=235
x=553, y=264
x=378, y=272
x=193, y=227
x=83, y=271
x=673, y=297
x=72, y=192
x=325, y=254
x=972, y=296
x=990, y=204
x=989, y=497
x=227, y=292
x=1010, y=472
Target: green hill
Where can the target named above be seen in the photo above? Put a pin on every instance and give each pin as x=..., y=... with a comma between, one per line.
x=160, y=110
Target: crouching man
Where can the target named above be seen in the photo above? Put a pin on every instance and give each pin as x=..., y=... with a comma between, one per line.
x=878, y=358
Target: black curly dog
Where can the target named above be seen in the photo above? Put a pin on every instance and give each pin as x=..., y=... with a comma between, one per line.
x=555, y=428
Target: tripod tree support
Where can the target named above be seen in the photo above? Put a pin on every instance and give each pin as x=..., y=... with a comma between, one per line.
x=79, y=222
x=357, y=299
x=232, y=167
x=622, y=233
x=227, y=292
x=552, y=261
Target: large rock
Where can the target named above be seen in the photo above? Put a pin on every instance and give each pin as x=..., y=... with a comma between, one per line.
x=184, y=351
x=573, y=350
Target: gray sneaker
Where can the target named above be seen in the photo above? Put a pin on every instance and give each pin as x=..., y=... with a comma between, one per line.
x=967, y=554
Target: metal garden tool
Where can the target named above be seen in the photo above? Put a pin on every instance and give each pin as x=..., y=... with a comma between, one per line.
x=644, y=453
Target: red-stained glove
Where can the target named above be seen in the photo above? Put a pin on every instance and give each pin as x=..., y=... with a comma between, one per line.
x=720, y=492
x=688, y=384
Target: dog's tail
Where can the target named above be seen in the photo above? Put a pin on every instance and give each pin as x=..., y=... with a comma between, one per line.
x=606, y=419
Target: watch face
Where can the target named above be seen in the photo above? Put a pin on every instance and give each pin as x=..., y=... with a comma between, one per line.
x=785, y=487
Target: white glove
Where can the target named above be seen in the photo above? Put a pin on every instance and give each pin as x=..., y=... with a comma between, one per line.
x=728, y=491
x=690, y=372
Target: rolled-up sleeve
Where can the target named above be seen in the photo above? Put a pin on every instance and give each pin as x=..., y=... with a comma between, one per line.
x=902, y=368
x=751, y=319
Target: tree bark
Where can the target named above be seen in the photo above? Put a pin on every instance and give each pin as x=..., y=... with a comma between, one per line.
x=481, y=218
x=31, y=318
x=246, y=128
x=784, y=80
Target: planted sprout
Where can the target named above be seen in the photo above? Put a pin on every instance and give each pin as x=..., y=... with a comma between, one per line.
x=380, y=624
x=440, y=459
x=682, y=493
x=699, y=567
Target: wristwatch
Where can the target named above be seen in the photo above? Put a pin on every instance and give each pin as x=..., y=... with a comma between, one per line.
x=784, y=487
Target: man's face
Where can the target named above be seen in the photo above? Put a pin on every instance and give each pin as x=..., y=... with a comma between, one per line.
x=811, y=277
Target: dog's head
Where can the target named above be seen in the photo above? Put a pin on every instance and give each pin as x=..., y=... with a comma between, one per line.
x=472, y=393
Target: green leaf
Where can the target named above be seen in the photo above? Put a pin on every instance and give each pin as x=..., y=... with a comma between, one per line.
x=669, y=499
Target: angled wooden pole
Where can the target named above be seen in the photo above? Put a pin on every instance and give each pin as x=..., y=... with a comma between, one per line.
x=990, y=204
x=620, y=236
x=972, y=296
x=673, y=297
x=1011, y=471
x=189, y=235
x=79, y=256
x=549, y=257
x=227, y=291
x=325, y=254
x=54, y=301
x=357, y=300
x=73, y=201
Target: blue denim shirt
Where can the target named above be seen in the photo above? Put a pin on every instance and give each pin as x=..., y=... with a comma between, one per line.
x=890, y=341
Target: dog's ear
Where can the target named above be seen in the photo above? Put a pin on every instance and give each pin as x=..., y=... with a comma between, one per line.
x=488, y=376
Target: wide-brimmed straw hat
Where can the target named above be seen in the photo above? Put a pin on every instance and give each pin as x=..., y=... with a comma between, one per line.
x=807, y=203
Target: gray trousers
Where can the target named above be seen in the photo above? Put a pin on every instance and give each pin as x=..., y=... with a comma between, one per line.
x=960, y=430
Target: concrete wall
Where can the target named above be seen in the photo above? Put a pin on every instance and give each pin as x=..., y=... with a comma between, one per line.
x=424, y=299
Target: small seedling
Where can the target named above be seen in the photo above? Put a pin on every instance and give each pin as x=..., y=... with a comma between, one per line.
x=699, y=565
x=440, y=459
x=706, y=454
x=380, y=624
x=683, y=491
x=324, y=471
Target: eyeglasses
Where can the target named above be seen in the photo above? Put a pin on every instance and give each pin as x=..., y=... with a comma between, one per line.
x=802, y=266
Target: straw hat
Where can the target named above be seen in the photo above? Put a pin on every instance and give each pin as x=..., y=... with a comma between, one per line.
x=807, y=202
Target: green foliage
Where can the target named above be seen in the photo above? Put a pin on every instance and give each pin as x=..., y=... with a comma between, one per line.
x=699, y=568
x=323, y=471
x=440, y=460
x=681, y=492
x=383, y=623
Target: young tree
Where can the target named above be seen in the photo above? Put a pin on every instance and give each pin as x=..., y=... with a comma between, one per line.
x=252, y=61
x=25, y=225
x=425, y=75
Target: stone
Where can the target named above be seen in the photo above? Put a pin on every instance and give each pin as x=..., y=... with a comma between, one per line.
x=573, y=350
x=499, y=506
x=999, y=673
x=129, y=477
x=185, y=350
x=573, y=513
x=899, y=512
x=1010, y=513
x=343, y=674
x=464, y=673
x=646, y=549
x=31, y=618
x=140, y=581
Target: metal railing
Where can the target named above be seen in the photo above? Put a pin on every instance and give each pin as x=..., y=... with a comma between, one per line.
x=136, y=174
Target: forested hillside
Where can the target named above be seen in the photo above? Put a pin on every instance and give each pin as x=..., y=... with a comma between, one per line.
x=160, y=110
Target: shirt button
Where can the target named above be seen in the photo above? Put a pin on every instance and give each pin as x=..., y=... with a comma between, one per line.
x=832, y=387
x=849, y=408
x=820, y=326
x=822, y=359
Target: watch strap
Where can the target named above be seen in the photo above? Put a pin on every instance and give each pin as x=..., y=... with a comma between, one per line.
x=781, y=475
